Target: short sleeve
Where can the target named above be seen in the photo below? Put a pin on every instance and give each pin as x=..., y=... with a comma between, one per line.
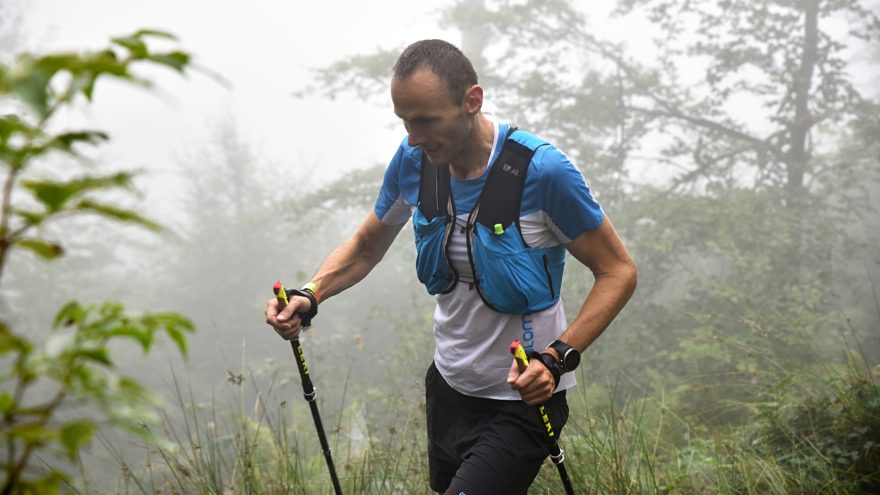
x=390, y=206
x=565, y=196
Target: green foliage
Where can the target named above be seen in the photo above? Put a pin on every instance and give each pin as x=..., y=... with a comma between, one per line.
x=44, y=84
x=272, y=449
x=812, y=429
x=833, y=424
x=75, y=366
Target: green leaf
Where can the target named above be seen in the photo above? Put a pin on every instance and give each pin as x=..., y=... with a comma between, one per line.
x=173, y=319
x=72, y=313
x=11, y=124
x=88, y=85
x=30, y=217
x=57, y=62
x=155, y=33
x=43, y=249
x=176, y=327
x=100, y=355
x=143, y=336
x=7, y=403
x=54, y=195
x=176, y=60
x=65, y=141
x=33, y=89
x=94, y=66
x=120, y=214
x=179, y=339
x=76, y=434
x=4, y=80
x=10, y=341
x=134, y=44
x=33, y=434
x=89, y=381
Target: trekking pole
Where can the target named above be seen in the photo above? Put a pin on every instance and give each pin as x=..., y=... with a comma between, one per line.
x=309, y=392
x=557, y=455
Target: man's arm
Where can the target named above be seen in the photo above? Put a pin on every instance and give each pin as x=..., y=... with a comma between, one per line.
x=347, y=265
x=602, y=251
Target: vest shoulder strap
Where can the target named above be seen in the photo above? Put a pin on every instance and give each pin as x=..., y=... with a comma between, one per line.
x=433, y=190
x=502, y=195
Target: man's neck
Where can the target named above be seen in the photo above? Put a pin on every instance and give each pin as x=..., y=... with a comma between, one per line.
x=474, y=157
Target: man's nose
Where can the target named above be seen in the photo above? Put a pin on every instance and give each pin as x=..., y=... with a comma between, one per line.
x=414, y=138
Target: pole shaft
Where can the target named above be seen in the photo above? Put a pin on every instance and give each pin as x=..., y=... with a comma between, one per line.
x=311, y=397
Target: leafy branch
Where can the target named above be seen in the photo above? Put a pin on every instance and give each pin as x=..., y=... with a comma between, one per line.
x=44, y=84
x=75, y=365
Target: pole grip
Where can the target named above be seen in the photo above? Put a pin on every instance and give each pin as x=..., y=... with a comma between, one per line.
x=519, y=353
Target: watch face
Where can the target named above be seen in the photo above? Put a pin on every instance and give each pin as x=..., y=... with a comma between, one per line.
x=571, y=360
x=569, y=357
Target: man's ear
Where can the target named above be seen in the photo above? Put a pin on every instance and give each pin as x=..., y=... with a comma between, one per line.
x=473, y=99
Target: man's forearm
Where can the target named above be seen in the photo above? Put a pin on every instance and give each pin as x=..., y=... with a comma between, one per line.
x=609, y=294
x=349, y=263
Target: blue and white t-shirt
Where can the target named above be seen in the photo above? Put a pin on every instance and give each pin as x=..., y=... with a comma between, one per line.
x=472, y=340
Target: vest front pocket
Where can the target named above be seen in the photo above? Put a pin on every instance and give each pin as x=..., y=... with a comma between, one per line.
x=431, y=265
x=512, y=278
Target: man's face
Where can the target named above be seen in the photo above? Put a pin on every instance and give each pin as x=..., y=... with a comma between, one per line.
x=434, y=119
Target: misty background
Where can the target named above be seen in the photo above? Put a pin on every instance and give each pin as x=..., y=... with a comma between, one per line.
x=269, y=155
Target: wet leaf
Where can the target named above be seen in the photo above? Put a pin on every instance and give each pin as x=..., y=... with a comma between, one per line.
x=43, y=249
x=76, y=434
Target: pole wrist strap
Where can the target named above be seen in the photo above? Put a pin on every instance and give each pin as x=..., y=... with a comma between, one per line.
x=551, y=364
x=313, y=310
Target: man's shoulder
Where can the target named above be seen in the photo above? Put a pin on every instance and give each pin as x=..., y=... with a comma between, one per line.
x=528, y=139
x=548, y=162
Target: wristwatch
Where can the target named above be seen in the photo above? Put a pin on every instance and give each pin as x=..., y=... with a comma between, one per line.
x=569, y=357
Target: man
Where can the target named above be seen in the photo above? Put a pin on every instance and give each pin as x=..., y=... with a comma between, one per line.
x=495, y=282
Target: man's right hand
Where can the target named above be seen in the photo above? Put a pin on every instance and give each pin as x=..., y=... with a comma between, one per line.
x=285, y=320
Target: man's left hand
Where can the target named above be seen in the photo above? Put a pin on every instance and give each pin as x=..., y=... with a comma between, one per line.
x=535, y=384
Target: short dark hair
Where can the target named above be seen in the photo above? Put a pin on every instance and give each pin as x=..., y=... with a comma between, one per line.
x=444, y=59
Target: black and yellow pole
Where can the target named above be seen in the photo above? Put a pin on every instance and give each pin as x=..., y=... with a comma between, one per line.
x=309, y=392
x=556, y=453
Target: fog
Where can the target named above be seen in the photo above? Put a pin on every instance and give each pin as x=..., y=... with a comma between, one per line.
x=258, y=164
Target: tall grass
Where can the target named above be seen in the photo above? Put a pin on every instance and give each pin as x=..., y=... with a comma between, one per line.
x=815, y=429
x=267, y=444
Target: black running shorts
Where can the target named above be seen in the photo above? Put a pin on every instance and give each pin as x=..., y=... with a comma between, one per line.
x=485, y=446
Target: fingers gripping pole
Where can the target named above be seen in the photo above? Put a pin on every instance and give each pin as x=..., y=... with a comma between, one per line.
x=520, y=355
x=309, y=392
x=557, y=455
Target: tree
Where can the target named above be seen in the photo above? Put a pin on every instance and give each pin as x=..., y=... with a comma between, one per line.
x=72, y=367
x=767, y=189
x=732, y=164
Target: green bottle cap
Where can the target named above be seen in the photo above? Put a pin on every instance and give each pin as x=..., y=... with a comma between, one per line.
x=499, y=229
